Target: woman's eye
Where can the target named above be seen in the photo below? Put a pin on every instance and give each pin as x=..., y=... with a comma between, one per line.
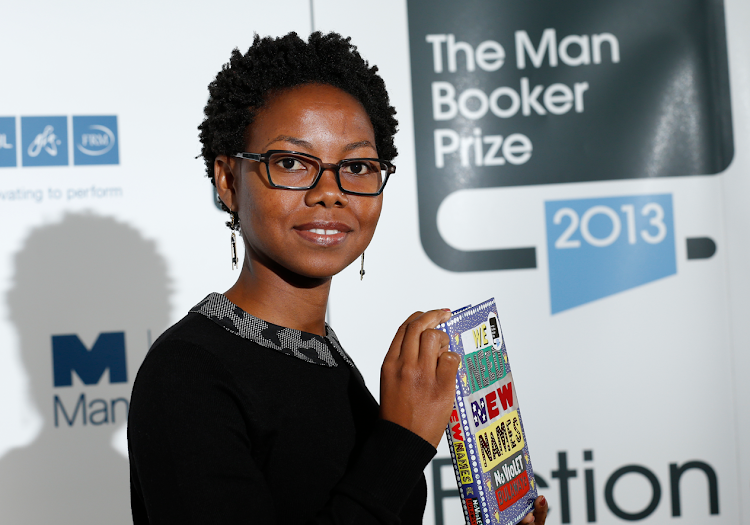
x=359, y=168
x=291, y=164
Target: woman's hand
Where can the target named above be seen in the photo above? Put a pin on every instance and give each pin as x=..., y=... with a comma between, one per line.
x=418, y=377
x=539, y=515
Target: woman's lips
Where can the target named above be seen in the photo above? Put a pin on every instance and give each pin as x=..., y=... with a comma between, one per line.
x=324, y=233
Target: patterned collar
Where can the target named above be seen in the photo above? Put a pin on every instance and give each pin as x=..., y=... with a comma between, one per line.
x=302, y=345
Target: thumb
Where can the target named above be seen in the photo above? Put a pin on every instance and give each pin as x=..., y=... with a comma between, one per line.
x=540, y=510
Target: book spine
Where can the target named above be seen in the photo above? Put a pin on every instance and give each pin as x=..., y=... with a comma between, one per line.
x=451, y=447
x=455, y=420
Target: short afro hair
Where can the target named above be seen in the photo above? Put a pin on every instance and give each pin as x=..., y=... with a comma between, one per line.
x=245, y=84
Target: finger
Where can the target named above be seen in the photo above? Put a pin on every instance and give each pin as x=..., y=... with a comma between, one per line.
x=432, y=343
x=445, y=345
x=447, y=367
x=395, y=349
x=529, y=518
x=540, y=510
x=414, y=329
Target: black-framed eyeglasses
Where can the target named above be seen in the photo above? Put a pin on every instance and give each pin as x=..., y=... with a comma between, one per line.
x=291, y=170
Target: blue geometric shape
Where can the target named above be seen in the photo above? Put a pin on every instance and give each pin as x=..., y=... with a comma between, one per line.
x=7, y=142
x=95, y=140
x=602, y=246
x=44, y=141
x=70, y=355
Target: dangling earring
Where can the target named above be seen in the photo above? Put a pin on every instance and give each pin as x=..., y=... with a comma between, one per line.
x=362, y=268
x=234, y=225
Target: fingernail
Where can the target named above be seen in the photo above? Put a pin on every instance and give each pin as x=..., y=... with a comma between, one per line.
x=446, y=309
x=543, y=501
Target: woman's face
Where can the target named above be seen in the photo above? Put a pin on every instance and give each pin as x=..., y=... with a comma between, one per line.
x=317, y=232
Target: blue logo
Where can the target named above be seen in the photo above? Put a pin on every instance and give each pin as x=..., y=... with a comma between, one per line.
x=70, y=354
x=7, y=142
x=44, y=141
x=599, y=247
x=95, y=140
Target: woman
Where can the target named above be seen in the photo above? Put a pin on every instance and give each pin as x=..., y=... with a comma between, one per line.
x=249, y=410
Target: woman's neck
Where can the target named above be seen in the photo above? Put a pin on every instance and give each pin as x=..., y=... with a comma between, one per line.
x=282, y=298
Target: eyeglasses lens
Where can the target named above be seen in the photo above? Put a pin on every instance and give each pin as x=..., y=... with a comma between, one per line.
x=362, y=176
x=291, y=170
x=295, y=171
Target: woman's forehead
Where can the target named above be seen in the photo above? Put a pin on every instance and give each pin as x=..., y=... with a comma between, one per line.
x=309, y=116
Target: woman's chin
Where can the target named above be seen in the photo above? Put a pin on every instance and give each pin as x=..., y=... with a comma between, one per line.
x=319, y=273
x=308, y=274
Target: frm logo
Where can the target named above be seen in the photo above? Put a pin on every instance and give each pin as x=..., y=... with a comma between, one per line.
x=69, y=355
x=44, y=141
x=95, y=140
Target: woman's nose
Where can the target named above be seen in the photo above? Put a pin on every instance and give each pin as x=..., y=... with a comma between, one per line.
x=327, y=192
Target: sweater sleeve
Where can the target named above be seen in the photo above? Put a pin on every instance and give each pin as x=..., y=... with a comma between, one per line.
x=192, y=458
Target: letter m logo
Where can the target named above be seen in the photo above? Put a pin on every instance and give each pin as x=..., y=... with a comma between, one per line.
x=69, y=354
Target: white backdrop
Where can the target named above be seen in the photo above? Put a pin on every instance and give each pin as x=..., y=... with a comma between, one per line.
x=651, y=376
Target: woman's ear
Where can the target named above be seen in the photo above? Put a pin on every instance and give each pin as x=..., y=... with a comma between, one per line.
x=225, y=182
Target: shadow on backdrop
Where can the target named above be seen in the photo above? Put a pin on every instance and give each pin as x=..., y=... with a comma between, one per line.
x=74, y=280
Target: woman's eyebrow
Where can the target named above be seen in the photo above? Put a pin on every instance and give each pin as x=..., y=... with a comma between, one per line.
x=291, y=140
x=360, y=144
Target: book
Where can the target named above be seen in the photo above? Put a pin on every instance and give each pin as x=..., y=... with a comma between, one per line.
x=485, y=433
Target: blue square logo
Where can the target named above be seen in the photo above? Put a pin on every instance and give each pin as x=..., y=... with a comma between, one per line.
x=7, y=142
x=95, y=140
x=44, y=141
x=599, y=247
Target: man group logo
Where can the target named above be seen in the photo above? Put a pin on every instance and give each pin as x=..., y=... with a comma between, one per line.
x=44, y=141
x=69, y=354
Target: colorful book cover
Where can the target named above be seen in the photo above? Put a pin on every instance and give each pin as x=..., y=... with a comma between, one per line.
x=485, y=434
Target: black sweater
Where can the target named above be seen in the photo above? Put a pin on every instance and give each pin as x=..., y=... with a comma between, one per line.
x=235, y=420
